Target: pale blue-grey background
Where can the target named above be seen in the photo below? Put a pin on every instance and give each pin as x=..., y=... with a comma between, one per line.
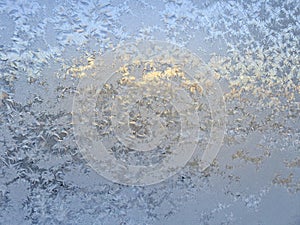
x=256, y=176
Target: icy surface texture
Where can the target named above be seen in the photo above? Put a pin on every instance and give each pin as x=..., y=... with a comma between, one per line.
x=253, y=48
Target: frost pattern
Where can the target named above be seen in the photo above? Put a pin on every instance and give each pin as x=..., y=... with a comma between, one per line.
x=253, y=47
